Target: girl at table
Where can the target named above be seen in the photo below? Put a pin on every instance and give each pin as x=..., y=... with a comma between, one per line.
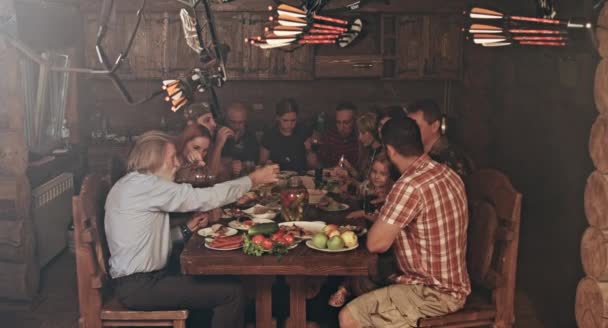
x=372, y=193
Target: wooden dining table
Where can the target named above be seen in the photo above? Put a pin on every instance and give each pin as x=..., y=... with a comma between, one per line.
x=304, y=269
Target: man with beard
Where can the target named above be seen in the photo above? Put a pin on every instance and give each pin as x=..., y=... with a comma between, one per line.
x=342, y=140
x=243, y=147
x=427, y=115
x=424, y=220
x=140, y=239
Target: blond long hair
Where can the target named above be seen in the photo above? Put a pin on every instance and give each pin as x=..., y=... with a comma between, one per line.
x=146, y=156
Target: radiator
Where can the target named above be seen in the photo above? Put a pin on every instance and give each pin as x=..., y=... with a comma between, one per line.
x=52, y=213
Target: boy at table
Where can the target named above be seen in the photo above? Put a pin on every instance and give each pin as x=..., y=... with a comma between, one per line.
x=140, y=240
x=425, y=220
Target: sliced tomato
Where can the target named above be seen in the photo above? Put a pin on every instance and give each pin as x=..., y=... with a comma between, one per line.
x=277, y=235
x=281, y=241
x=248, y=223
x=267, y=244
x=258, y=239
x=289, y=238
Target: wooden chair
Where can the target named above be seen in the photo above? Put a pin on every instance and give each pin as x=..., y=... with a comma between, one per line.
x=493, y=238
x=98, y=307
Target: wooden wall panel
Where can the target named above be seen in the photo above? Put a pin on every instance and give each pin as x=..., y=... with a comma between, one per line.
x=428, y=6
x=19, y=277
x=160, y=50
x=313, y=96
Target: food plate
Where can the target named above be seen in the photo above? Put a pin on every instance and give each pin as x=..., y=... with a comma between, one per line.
x=315, y=195
x=327, y=250
x=241, y=225
x=358, y=230
x=231, y=212
x=222, y=232
x=261, y=212
x=326, y=173
x=208, y=242
x=339, y=207
x=292, y=246
x=247, y=200
x=303, y=229
x=286, y=174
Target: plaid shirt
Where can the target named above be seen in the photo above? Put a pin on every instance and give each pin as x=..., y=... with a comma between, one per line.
x=429, y=203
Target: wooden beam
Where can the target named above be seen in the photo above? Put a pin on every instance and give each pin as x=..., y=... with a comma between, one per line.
x=376, y=6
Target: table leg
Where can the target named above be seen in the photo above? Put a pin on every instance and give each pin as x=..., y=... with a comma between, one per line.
x=297, y=302
x=263, y=302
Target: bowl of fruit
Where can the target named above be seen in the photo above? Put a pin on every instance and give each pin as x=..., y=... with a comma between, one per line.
x=333, y=240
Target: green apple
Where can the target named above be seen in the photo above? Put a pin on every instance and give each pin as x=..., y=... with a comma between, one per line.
x=335, y=243
x=319, y=240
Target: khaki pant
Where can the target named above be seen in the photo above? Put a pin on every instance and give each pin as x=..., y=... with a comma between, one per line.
x=400, y=306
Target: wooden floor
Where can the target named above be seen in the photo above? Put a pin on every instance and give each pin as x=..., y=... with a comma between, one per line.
x=58, y=305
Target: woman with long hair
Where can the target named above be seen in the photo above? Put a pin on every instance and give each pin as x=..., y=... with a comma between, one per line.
x=192, y=148
x=193, y=144
x=287, y=143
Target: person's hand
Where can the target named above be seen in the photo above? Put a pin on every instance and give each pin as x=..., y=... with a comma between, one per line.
x=340, y=173
x=347, y=165
x=356, y=214
x=197, y=221
x=266, y=174
x=308, y=144
x=195, y=157
x=223, y=134
x=237, y=167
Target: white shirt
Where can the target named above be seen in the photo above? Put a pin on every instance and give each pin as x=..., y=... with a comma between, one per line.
x=137, y=217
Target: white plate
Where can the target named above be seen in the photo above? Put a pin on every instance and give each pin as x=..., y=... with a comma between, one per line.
x=229, y=213
x=341, y=207
x=325, y=172
x=269, y=215
x=222, y=249
x=318, y=195
x=312, y=226
x=286, y=174
x=240, y=226
x=327, y=250
x=207, y=232
x=292, y=246
x=359, y=233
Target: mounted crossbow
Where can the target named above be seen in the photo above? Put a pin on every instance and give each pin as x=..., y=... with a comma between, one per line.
x=181, y=91
x=211, y=53
x=296, y=23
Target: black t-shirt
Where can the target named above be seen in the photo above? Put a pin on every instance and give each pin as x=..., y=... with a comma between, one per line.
x=287, y=151
x=246, y=149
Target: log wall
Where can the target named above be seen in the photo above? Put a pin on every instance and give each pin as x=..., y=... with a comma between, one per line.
x=19, y=273
x=591, y=306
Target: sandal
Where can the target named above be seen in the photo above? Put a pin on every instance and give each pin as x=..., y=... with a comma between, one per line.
x=338, y=299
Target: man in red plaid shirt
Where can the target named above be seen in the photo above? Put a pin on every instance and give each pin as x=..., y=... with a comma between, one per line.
x=425, y=220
